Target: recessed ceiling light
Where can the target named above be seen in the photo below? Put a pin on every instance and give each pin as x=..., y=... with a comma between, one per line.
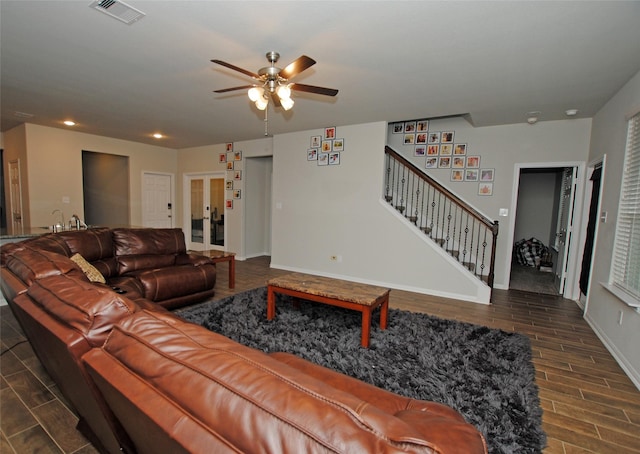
x=69, y=123
x=157, y=135
x=571, y=112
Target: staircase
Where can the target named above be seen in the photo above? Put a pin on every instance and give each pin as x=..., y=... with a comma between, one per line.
x=465, y=234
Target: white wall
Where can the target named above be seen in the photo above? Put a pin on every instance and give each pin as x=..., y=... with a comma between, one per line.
x=256, y=198
x=603, y=309
x=503, y=148
x=320, y=211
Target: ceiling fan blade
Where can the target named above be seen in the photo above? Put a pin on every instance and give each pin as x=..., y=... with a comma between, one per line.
x=296, y=67
x=242, y=87
x=236, y=68
x=314, y=89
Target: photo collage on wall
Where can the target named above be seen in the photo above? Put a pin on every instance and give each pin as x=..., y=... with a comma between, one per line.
x=441, y=151
x=231, y=159
x=325, y=150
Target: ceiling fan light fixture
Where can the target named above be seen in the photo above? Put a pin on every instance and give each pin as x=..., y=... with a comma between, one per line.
x=261, y=103
x=287, y=103
x=256, y=93
x=283, y=92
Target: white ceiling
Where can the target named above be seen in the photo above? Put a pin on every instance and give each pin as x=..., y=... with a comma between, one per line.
x=391, y=60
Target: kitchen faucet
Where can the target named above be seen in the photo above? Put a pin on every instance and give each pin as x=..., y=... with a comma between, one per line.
x=61, y=218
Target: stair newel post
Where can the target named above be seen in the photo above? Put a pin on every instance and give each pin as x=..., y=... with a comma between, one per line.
x=494, y=232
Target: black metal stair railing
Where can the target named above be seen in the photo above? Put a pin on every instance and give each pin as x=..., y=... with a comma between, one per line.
x=462, y=231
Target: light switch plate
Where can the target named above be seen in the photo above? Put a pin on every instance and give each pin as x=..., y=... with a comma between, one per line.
x=503, y=212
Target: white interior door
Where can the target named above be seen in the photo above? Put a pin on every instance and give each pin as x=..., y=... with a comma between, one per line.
x=204, y=221
x=564, y=228
x=15, y=197
x=157, y=194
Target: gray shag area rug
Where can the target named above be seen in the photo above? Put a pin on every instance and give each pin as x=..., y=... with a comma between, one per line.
x=485, y=374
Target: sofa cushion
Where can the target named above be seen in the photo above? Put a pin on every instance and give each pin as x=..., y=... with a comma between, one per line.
x=89, y=270
x=89, y=309
x=148, y=242
x=92, y=244
x=32, y=264
x=50, y=242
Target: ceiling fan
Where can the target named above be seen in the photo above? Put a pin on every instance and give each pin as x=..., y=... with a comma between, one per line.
x=273, y=82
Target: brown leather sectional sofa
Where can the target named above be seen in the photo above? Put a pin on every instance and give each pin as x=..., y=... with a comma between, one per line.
x=144, y=381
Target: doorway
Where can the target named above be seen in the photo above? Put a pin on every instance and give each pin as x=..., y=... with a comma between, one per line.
x=204, y=216
x=105, y=189
x=543, y=258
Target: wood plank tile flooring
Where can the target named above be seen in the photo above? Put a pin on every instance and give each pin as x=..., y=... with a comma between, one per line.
x=590, y=405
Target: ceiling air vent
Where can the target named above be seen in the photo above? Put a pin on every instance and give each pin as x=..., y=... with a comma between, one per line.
x=118, y=10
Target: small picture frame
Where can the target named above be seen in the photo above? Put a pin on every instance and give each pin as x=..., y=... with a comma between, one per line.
x=229, y=147
x=323, y=159
x=398, y=128
x=422, y=125
x=421, y=137
x=228, y=204
x=222, y=158
x=446, y=137
x=229, y=185
x=409, y=139
x=237, y=156
x=460, y=149
x=409, y=126
x=433, y=150
x=237, y=175
x=338, y=145
x=485, y=188
x=444, y=162
x=471, y=175
x=330, y=133
x=237, y=194
x=446, y=149
x=229, y=165
x=434, y=137
x=473, y=162
x=487, y=174
x=334, y=158
x=432, y=163
x=316, y=141
x=312, y=154
x=458, y=162
x=457, y=175
x=327, y=146
x=420, y=150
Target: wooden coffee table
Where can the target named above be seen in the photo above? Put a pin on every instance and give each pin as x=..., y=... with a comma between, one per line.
x=335, y=292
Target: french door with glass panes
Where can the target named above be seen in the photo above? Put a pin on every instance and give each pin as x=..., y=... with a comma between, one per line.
x=204, y=217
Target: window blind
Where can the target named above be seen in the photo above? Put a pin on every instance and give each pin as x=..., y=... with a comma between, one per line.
x=626, y=261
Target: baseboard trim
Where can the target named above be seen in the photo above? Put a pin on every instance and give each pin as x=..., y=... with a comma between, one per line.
x=626, y=366
x=390, y=285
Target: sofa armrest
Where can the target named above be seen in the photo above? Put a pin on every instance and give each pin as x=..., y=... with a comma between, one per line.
x=193, y=259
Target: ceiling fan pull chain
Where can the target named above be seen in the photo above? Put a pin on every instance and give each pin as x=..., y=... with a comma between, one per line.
x=266, y=122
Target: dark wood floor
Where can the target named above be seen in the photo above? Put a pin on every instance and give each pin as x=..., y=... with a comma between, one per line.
x=590, y=405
